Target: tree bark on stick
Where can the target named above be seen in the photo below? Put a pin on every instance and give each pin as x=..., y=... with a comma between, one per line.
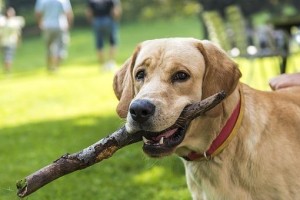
x=103, y=149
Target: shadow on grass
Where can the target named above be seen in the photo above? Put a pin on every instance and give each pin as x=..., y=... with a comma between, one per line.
x=129, y=174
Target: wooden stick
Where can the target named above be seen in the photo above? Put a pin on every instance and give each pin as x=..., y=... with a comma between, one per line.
x=103, y=149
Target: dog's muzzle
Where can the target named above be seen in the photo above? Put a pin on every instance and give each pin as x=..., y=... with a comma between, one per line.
x=156, y=144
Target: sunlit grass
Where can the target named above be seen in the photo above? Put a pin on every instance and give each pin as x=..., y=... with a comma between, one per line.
x=49, y=115
x=70, y=92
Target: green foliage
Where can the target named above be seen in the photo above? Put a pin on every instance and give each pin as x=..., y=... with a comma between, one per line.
x=157, y=9
x=142, y=10
x=45, y=117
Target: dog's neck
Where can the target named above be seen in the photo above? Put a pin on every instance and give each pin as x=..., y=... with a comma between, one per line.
x=226, y=134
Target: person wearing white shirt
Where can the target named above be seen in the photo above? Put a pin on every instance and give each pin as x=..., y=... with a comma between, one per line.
x=10, y=33
x=54, y=18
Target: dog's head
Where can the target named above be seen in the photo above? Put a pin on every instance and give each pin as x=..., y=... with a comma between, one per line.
x=161, y=78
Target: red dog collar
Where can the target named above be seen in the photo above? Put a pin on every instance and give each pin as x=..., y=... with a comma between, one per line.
x=227, y=133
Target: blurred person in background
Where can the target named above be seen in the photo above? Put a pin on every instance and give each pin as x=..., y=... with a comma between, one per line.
x=104, y=16
x=10, y=36
x=54, y=18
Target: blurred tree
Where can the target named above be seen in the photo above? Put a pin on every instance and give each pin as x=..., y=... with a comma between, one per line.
x=2, y=2
x=155, y=9
x=141, y=10
x=133, y=9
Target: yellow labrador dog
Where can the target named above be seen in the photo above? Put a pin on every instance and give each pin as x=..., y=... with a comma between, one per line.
x=248, y=147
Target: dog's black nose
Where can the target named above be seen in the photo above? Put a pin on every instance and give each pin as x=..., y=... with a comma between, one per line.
x=141, y=110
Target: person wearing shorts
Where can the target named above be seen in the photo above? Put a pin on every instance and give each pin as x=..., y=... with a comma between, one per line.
x=54, y=19
x=10, y=33
x=8, y=56
x=57, y=43
x=104, y=16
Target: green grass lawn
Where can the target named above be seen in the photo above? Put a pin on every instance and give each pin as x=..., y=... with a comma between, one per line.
x=45, y=116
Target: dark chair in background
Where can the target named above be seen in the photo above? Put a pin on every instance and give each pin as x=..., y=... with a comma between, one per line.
x=236, y=36
x=216, y=29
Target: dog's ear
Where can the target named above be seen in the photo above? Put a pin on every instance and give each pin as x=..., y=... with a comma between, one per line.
x=221, y=73
x=123, y=85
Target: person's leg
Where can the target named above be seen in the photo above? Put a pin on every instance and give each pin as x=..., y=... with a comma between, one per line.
x=52, y=63
x=8, y=53
x=100, y=55
x=63, y=43
x=98, y=33
x=112, y=52
x=7, y=66
x=111, y=63
x=55, y=49
x=50, y=59
x=113, y=39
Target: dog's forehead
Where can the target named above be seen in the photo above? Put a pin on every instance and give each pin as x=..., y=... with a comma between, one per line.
x=184, y=49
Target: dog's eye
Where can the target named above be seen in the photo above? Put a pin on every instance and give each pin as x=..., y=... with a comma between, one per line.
x=180, y=77
x=140, y=75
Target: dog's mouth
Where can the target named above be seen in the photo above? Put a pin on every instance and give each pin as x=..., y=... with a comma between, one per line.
x=163, y=143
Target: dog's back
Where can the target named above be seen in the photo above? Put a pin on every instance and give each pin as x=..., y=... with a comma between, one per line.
x=272, y=140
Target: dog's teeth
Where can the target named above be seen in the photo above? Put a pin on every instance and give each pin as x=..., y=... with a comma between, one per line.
x=161, y=141
x=145, y=140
